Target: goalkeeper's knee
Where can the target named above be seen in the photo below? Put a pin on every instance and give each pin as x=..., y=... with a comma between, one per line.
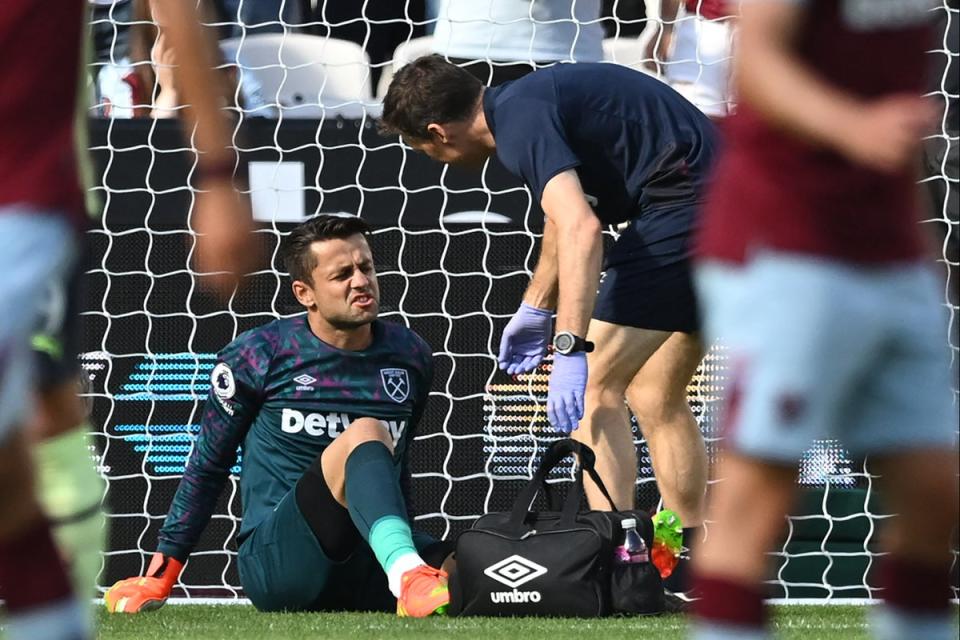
x=70, y=490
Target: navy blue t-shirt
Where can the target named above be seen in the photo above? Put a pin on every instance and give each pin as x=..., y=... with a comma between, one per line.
x=635, y=143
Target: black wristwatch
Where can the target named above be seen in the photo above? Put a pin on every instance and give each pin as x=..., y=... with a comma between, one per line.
x=567, y=343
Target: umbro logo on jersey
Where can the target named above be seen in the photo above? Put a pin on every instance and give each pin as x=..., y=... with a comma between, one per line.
x=305, y=382
x=396, y=383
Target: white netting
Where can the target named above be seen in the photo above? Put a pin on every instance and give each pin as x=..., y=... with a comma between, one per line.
x=454, y=253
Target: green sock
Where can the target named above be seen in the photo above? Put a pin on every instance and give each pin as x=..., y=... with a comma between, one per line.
x=376, y=505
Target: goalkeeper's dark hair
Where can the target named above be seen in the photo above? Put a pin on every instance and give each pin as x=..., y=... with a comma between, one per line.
x=297, y=256
x=427, y=90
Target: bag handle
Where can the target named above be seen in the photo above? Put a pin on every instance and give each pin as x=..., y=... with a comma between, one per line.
x=551, y=458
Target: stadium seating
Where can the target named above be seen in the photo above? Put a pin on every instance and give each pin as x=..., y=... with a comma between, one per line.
x=402, y=55
x=305, y=76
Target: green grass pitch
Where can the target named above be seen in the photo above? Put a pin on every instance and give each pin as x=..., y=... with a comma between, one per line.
x=239, y=622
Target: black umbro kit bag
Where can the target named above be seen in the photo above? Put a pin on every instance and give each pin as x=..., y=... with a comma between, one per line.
x=558, y=562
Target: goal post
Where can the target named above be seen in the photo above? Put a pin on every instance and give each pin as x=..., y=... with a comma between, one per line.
x=454, y=253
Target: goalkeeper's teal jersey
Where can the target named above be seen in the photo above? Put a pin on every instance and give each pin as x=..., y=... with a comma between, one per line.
x=284, y=395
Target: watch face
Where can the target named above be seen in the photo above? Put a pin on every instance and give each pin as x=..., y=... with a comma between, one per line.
x=563, y=342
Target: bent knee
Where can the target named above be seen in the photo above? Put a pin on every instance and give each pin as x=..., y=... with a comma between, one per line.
x=602, y=396
x=602, y=383
x=654, y=405
x=367, y=430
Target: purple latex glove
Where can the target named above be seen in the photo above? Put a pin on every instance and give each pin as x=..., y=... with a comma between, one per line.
x=524, y=340
x=565, y=397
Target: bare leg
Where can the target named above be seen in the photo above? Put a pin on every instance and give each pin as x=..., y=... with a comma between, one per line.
x=658, y=398
x=920, y=486
x=59, y=410
x=37, y=590
x=18, y=503
x=746, y=513
x=68, y=485
x=620, y=352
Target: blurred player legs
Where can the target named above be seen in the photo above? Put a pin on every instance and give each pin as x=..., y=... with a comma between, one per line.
x=850, y=354
x=38, y=249
x=69, y=487
x=814, y=272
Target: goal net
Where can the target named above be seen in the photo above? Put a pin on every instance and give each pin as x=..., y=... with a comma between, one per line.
x=454, y=253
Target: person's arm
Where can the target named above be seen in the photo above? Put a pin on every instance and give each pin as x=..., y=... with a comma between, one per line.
x=579, y=249
x=532, y=145
x=222, y=218
x=234, y=401
x=196, y=79
x=542, y=290
x=206, y=473
x=882, y=134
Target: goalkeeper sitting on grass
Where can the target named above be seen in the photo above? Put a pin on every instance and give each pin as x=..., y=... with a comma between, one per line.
x=324, y=406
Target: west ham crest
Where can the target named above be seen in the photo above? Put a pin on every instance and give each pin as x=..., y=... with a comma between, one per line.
x=395, y=383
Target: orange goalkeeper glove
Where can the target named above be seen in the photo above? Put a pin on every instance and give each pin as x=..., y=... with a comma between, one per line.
x=147, y=593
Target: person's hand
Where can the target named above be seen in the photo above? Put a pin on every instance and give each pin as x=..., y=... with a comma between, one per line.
x=524, y=340
x=146, y=593
x=886, y=135
x=226, y=248
x=565, y=395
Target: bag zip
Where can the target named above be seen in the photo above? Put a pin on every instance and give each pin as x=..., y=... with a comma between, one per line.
x=534, y=531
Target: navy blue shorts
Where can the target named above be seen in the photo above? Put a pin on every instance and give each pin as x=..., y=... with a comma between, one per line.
x=648, y=281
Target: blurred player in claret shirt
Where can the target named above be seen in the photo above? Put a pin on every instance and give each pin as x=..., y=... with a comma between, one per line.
x=813, y=271
x=42, y=221
x=325, y=406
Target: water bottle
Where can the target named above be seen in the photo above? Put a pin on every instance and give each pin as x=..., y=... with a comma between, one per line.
x=634, y=549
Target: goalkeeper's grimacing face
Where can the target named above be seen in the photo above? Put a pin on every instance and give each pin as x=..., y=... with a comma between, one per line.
x=344, y=293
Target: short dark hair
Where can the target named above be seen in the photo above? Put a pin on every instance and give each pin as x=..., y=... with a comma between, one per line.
x=429, y=89
x=297, y=256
